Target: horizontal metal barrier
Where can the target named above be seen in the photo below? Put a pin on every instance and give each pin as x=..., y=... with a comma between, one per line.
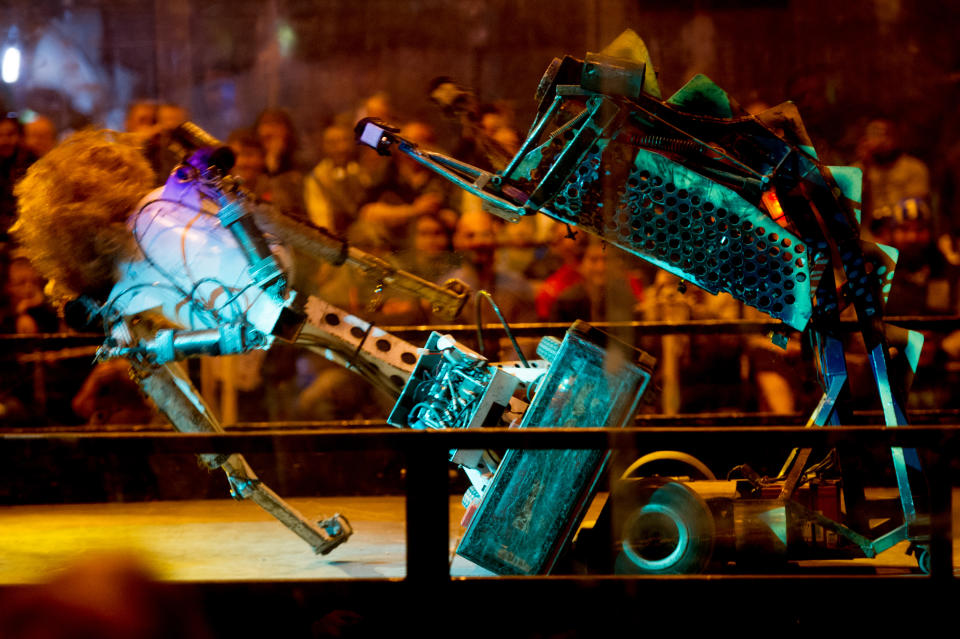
x=11, y=345
x=426, y=452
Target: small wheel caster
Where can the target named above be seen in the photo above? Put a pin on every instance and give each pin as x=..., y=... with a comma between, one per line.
x=922, y=554
x=923, y=560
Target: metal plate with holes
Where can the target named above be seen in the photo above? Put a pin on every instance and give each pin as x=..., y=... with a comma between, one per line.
x=694, y=228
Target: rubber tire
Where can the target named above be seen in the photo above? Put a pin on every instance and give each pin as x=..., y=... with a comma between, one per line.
x=661, y=528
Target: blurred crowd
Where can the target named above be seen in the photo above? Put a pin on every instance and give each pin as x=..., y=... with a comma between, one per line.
x=536, y=270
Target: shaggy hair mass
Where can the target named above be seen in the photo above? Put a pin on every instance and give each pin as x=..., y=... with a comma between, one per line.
x=73, y=207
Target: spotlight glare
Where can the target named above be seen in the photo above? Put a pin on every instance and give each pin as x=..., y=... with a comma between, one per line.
x=10, y=67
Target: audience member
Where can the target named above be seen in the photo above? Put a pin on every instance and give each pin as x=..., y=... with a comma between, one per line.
x=602, y=293
x=920, y=284
x=39, y=135
x=170, y=116
x=28, y=310
x=429, y=247
x=141, y=119
x=164, y=160
x=330, y=391
x=380, y=107
x=15, y=158
x=280, y=144
x=336, y=187
x=409, y=190
x=474, y=241
x=279, y=139
x=251, y=164
x=110, y=396
x=568, y=247
x=890, y=175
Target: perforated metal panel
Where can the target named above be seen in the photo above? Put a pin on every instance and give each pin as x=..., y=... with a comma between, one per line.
x=694, y=228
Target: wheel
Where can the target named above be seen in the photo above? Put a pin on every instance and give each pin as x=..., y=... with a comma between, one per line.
x=674, y=462
x=662, y=527
x=923, y=559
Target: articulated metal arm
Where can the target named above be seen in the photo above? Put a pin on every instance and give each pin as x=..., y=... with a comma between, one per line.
x=170, y=388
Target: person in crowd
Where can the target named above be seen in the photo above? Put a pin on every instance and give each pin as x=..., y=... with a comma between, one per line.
x=15, y=158
x=409, y=190
x=429, y=251
x=380, y=107
x=695, y=372
x=251, y=163
x=27, y=308
x=39, y=135
x=890, y=175
x=34, y=392
x=157, y=149
x=567, y=247
x=141, y=119
x=475, y=244
x=337, y=186
x=170, y=116
x=278, y=136
x=604, y=291
x=330, y=391
x=921, y=282
x=110, y=396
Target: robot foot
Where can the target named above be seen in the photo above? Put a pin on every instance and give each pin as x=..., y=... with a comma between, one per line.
x=337, y=530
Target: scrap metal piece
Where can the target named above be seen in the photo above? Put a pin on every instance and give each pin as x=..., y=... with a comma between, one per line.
x=537, y=498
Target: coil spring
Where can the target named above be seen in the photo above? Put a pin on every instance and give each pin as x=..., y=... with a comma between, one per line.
x=677, y=145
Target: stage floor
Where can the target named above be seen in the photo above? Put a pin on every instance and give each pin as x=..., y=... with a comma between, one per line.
x=226, y=540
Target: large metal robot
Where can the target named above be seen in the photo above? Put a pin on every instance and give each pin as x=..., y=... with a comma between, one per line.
x=205, y=280
x=727, y=201
x=730, y=202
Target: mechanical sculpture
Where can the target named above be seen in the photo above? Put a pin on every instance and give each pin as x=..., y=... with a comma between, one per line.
x=727, y=201
x=188, y=272
x=203, y=278
x=733, y=203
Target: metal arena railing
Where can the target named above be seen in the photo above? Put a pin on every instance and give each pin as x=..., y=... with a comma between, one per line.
x=427, y=479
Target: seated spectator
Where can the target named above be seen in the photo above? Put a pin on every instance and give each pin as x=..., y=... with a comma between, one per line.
x=33, y=392
x=329, y=391
x=474, y=242
x=378, y=106
x=280, y=144
x=890, y=175
x=602, y=293
x=409, y=190
x=28, y=311
x=518, y=246
x=920, y=284
x=279, y=139
x=15, y=158
x=110, y=396
x=336, y=187
x=568, y=247
x=141, y=119
x=39, y=135
x=429, y=251
x=168, y=116
x=251, y=163
x=357, y=292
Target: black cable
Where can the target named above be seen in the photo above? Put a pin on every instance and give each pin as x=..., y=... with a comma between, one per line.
x=506, y=327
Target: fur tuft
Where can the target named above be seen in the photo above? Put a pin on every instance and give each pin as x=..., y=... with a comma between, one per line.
x=74, y=203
